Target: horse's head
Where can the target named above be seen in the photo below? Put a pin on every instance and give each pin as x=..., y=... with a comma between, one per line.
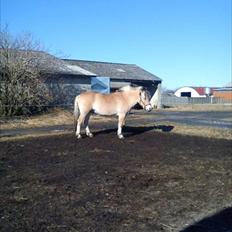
x=144, y=99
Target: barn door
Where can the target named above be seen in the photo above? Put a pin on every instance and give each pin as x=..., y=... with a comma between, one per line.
x=100, y=84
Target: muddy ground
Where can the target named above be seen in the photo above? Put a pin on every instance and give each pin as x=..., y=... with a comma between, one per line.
x=150, y=181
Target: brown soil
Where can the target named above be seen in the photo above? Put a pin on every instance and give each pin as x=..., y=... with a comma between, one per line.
x=149, y=181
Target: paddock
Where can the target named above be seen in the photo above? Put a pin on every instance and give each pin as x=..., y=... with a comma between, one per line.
x=150, y=181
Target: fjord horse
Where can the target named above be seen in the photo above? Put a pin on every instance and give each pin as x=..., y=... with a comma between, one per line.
x=118, y=103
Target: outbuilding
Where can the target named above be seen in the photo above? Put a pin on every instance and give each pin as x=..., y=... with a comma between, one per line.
x=66, y=78
x=193, y=92
x=77, y=76
x=118, y=74
x=224, y=93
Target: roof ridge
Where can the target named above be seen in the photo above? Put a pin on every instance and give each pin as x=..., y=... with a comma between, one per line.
x=95, y=61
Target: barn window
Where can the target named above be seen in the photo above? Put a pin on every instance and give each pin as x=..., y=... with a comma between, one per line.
x=100, y=84
x=185, y=94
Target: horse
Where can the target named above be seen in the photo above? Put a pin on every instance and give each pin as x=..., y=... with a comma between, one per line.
x=118, y=103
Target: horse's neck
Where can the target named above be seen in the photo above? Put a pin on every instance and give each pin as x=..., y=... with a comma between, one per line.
x=131, y=97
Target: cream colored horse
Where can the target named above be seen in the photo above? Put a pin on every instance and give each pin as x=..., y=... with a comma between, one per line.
x=118, y=103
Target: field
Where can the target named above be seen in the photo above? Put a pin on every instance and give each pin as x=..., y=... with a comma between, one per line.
x=165, y=176
x=151, y=181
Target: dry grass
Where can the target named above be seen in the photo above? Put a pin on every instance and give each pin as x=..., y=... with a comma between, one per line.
x=198, y=130
x=65, y=117
x=178, y=128
x=54, y=117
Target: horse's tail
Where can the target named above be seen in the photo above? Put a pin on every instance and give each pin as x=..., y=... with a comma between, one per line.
x=76, y=112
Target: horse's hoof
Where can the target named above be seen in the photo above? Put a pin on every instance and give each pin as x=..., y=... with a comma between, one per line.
x=90, y=135
x=120, y=136
x=79, y=136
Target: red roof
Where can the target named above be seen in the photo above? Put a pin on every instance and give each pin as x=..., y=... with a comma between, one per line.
x=202, y=90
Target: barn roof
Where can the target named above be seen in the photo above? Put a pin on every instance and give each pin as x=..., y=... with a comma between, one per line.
x=114, y=70
x=200, y=90
x=223, y=89
x=53, y=65
x=44, y=61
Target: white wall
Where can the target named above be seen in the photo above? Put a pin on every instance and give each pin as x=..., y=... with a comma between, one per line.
x=156, y=98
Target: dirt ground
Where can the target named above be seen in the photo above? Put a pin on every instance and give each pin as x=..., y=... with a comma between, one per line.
x=150, y=181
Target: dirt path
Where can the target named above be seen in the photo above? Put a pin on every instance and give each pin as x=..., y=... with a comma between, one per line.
x=148, y=182
x=213, y=119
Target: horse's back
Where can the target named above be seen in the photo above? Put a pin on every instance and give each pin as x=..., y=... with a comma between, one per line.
x=90, y=97
x=105, y=104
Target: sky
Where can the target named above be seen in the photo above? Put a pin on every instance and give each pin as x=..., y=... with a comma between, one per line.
x=184, y=42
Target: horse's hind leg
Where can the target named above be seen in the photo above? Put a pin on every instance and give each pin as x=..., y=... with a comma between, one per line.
x=86, y=124
x=79, y=122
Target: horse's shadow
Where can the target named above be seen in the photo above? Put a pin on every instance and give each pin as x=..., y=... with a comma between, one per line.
x=129, y=131
x=220, y=221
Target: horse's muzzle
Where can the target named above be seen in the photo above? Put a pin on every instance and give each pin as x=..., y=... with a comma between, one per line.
x=148, y=108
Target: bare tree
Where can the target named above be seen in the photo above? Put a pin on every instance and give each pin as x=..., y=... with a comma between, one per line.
x=22, y=67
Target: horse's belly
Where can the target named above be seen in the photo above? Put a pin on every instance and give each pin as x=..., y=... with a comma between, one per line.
x=104, y=111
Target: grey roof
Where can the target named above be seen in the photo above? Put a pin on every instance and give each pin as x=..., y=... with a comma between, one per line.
x=223, y=89
x=44, y=61
x=114, y=70
x=51, y=64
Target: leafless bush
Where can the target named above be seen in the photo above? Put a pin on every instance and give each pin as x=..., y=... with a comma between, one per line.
x=22, y=63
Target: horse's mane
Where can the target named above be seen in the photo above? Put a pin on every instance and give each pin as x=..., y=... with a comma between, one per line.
x=128, y=88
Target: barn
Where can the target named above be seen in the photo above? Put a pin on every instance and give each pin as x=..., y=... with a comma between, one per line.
x=224, y=93
x=66, y=78
x=76, y=76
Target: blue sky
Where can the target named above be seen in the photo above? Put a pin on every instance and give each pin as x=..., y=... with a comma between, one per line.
x=184, y=42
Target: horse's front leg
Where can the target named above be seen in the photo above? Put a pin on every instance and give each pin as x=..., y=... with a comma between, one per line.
x=121, y=123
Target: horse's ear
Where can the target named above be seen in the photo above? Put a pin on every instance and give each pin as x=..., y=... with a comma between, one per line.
x=133, y=85
x=140, y=88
